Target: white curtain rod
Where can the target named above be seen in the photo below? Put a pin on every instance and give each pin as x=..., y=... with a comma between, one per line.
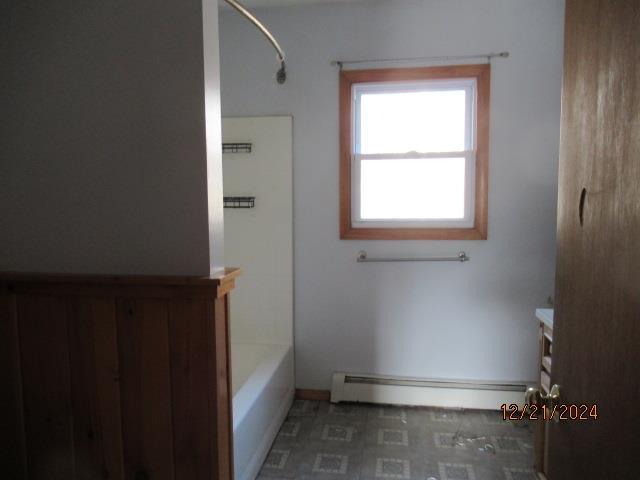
x=488, y=56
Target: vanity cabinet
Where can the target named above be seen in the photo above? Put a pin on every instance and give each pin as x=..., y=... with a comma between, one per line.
x=544, y=317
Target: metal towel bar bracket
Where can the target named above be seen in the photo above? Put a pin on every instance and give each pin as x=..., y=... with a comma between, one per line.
x=362, y=258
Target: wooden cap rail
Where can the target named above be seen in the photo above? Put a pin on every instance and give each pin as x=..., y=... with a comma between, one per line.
x=218, y=283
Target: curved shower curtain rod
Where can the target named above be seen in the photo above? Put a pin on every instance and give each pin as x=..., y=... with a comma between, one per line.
x=281, y=75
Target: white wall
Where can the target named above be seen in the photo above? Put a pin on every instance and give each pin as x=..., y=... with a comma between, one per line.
x=417, y=319
x=260, y=240
x=103, y=160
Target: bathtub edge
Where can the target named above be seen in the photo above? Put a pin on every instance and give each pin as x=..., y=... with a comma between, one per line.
x=255, y=464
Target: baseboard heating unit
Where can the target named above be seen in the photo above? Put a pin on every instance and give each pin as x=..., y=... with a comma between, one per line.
x=393, y=390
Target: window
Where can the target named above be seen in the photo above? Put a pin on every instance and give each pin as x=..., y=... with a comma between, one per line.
x=414, y=153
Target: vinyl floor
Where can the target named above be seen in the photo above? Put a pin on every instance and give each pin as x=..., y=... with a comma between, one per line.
x=322, y=441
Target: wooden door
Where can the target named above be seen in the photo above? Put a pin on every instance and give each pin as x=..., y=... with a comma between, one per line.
x=597, y=319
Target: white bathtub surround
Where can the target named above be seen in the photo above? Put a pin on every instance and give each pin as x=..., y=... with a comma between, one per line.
x=260, y=239
x=263, y=390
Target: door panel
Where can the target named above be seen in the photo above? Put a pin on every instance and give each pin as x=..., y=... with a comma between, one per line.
x=597, y=327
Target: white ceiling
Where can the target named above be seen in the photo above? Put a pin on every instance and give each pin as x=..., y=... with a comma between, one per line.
x=282, y=3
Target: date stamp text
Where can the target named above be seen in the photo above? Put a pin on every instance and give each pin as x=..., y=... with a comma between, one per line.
x=560, y=412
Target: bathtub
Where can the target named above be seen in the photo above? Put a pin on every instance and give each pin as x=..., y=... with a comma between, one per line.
x=263, y=388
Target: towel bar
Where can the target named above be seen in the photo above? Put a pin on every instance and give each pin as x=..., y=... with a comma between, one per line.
x=362, y=258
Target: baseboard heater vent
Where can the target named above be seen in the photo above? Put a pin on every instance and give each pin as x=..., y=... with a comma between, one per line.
x=425, y=392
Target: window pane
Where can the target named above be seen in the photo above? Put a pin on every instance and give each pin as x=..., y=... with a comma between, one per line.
x=412, y=189
x=427, y=121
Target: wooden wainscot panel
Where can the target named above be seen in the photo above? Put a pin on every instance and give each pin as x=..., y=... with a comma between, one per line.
x=145, y=378
x=220, y=387
x=13, y=460
x=44, y=355
x=95, y=388
x=193, y=427
x=115, y=377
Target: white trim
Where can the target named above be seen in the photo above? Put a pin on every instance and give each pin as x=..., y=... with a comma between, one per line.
x=411, y=155
x=469, y=191
x=357, y=90
x=469, y=85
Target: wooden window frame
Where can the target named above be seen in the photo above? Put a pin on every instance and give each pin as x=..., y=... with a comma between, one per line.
x=482, y=74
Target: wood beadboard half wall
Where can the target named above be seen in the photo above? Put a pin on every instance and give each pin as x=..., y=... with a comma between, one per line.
x=115, y=377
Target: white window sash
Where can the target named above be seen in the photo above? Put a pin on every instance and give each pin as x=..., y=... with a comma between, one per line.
x=469, y=154
x=469, y=85
x=469, y=202
x=411, y=155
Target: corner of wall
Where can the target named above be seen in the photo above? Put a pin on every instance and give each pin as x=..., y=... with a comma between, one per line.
x=213, y=131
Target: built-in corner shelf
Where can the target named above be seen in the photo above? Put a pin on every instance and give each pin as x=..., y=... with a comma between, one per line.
x=239, y=202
